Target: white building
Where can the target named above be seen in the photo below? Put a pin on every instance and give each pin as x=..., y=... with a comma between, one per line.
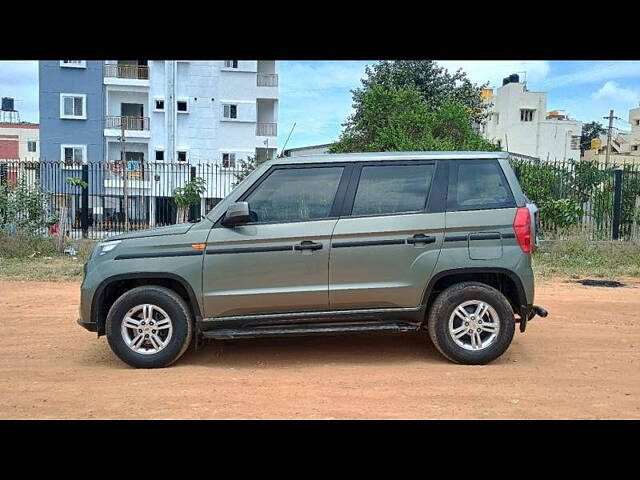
x=197, y=112
x=193, y=111
x=519, y=123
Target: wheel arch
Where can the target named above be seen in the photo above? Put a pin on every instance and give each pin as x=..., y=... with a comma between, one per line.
x=112, y=287
x=504, y=280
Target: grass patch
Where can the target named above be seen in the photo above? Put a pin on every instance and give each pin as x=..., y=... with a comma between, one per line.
x=47, y=268
x=25, y=257
x=578, y=257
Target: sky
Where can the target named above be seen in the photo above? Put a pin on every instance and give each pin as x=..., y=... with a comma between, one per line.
x=316, y=95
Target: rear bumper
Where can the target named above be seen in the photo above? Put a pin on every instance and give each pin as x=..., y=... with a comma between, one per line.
x=91, y=326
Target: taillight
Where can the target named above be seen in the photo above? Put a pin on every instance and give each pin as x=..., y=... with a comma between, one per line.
x=522, y=229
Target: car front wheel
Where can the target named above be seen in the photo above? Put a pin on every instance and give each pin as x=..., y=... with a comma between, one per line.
x=149, y=327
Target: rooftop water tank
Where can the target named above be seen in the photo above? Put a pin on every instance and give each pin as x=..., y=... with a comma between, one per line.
x=7, y=104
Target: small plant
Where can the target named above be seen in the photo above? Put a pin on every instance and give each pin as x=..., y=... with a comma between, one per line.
x=188, y=196
x=246, y=167
x=76, y=182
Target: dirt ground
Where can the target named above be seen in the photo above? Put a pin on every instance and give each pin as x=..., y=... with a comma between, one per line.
x=582, y=361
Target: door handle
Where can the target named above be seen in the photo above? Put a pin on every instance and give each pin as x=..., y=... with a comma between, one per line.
x=308, y=245
x=421, y=238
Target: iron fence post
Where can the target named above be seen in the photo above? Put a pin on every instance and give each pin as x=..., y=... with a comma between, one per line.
x=84, y=218
x=617, y=203
x=193, y=208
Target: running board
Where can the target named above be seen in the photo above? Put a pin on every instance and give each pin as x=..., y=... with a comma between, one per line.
x=301, y=330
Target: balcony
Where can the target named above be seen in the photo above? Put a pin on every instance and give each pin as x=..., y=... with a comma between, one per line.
x=133, y=72
x=129, y=123
x=135, y=127
x=267, y=129
x=267, y=79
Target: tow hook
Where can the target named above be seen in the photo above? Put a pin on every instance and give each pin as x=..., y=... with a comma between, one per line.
x=532, y=312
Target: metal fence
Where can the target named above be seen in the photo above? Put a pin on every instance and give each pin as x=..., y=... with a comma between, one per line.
x=602, y=201
x=599, y=200
x=89, y=200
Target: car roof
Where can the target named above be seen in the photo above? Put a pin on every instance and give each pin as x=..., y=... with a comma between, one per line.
x=387, y=156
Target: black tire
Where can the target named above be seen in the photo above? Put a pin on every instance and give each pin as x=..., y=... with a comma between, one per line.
x=443, y=308
x=172, y=304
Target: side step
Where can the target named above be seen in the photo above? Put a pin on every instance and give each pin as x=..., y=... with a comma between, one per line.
x=301, y=330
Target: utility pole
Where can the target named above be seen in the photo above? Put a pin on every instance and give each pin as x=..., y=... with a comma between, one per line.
x=123, y=162
x=608, y=152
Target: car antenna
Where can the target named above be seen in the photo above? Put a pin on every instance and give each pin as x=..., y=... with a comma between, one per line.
x=287, y=140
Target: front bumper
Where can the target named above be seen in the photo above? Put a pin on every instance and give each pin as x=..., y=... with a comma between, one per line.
x=91, y=326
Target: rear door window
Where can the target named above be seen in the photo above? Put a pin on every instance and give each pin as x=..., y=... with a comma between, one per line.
x=478, y=185
x=386, y=189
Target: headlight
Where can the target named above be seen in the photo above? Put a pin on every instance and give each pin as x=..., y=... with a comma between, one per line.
x=105, y=247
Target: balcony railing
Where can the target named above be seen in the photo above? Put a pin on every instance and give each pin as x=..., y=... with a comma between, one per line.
x=129, y=123
x=136, y=72
x=267, y=129
x=267, y=79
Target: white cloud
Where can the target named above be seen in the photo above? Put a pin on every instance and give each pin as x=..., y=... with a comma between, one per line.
x=611, y=90
x=592, y=72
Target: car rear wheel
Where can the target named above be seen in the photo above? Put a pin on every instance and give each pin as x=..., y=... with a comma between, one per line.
x=149, y=327
x=471, y=323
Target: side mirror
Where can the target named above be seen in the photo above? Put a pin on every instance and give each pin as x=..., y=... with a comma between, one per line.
x=237, y=214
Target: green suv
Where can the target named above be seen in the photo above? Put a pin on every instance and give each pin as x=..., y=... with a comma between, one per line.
x=329, y=244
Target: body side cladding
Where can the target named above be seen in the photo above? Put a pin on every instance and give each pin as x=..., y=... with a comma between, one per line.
x=131, y=256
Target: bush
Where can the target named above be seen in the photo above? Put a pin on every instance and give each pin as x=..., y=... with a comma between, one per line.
x=25, y=208
x=22, y=245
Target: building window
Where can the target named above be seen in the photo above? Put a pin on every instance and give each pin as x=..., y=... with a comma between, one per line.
x=230, y=111
x=182, y=106
x=159, y=103
x=231, y=63
x=634, y=148
x=526, y=115
x=496, y=118
x=160, y=155
x=228, y=160
x=73, y=155
x=31, y=146
x=637, y=122
x=73, y=63
x=73, y=106
x=575, y=142
x=182, y=156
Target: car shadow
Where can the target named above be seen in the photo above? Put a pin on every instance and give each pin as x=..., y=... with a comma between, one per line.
x=365, y=348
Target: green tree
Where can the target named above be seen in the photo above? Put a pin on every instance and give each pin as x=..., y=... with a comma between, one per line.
x=590, y=131
x=435, y=85
x=188, y=196
x=391, y=119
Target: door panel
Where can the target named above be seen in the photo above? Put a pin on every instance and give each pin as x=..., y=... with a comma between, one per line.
x=280, y=261
x=256, y=269
x=377, y=262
